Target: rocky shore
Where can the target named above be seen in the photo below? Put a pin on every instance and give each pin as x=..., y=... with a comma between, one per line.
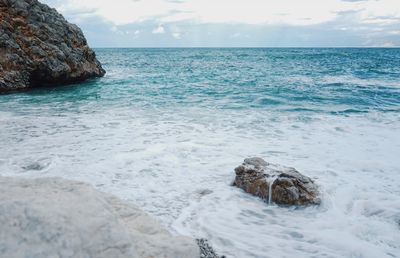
x=38, y=47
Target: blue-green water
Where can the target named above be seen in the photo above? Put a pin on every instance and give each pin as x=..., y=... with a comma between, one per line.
x=319, y=80
x=316, y=80
x=164, y=125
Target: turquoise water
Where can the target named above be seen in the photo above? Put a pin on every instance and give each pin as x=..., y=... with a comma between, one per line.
x=164, y=125
x=316, y=80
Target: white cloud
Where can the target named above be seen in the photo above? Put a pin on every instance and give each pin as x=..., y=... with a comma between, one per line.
x=388, y=44
x=176, y=35
x=290, y=12
x=238, y=22
x=159, y=30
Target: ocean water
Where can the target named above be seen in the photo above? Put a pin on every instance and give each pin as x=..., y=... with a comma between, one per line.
x=165, y=128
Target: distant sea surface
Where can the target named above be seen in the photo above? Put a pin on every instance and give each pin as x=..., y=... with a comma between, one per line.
x=165, y=128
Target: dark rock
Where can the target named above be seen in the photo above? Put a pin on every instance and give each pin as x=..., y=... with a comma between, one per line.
x=275, y=183
x=206, y=251
x=38, y=47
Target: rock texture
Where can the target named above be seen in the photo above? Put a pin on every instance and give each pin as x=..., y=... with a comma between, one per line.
x=275, y=183
x=206, y=251
x=60, y=218
x=38, y=47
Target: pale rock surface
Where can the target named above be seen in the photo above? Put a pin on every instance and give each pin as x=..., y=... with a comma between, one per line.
x=53, y=217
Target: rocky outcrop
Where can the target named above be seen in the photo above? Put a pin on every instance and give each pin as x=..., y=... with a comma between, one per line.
x=53, y=217
x=38, y=47
x=275, y=183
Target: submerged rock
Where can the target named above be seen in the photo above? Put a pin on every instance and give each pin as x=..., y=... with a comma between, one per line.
x=275, y=183
x=38, y=47
x=53, y=217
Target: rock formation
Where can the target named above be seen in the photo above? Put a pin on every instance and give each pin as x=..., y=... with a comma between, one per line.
x=275, y=183
x=38, y=47
x=52, y=217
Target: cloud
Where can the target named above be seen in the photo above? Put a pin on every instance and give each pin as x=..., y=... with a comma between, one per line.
x=354, y=0
x=176, y=35
x=159, y=30
x=236, y=23
x=288, y=12
x=388, y=44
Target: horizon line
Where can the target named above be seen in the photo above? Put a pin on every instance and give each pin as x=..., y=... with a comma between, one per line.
x=229, y=47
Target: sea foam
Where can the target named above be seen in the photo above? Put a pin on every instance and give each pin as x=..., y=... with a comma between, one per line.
x=168, y=141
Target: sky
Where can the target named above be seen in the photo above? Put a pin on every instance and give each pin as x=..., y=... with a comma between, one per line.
x=235, y=23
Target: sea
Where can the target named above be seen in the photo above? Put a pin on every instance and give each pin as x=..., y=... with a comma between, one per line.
x=165, y=128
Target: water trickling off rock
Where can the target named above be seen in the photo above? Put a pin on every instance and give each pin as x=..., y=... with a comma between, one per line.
x=275, y=183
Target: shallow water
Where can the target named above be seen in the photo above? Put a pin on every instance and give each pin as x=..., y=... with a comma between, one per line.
x=166, y=127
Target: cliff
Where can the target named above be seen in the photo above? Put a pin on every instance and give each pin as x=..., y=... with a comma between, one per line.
x=38, y=47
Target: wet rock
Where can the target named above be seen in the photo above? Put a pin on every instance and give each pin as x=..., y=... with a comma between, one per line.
x=38, y=47
x=53, y=217
x=275, y=183
x=206, y=251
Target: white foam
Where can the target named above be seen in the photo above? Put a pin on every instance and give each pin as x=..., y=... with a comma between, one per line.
x=367, y=82
x=161, y=159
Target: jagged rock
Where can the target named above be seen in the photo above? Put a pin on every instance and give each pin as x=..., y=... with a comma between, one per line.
x=53, y=217
x=206, y=251
x=38, y=47
x=275, y=183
